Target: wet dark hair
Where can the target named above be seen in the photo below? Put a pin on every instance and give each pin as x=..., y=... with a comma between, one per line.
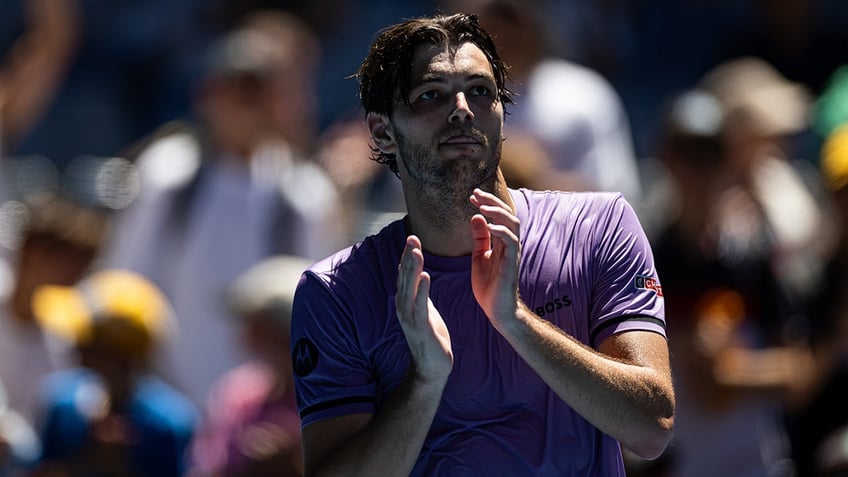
x=384, y=76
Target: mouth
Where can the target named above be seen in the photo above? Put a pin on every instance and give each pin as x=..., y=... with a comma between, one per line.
x=462, y=140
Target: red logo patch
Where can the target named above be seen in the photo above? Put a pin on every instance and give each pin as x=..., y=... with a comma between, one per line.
x=648, y=283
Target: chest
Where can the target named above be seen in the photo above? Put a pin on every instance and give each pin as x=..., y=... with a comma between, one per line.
x=488, y=373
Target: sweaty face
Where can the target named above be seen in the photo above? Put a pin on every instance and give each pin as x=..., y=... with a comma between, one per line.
x=449, y=138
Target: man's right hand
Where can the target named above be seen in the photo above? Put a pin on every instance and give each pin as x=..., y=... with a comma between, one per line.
x=389, y=441
x=423, y=326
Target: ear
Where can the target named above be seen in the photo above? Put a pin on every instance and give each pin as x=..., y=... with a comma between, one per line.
x=382, y=132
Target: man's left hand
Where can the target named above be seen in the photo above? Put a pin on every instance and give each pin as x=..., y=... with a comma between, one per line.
x=495, y=257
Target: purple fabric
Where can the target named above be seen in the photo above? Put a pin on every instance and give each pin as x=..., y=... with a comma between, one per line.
x=586, y=266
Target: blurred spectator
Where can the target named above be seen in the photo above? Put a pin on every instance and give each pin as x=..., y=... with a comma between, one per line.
x=47, y=238
x=220, y=195
x=51, y=228
x=818, y=421
x=763, y=113
x=131, y=69
x=571, y=110
x=345, y=28
x=252, y=425
x=35, y=66
x=111, y=416
x=59, y=243
x=285, y=54
x=738, y=355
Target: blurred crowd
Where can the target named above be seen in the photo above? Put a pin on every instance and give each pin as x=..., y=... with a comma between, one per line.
x=169, y=167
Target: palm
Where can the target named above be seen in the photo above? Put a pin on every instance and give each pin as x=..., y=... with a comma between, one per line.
x=495, y=257
x=422, y=325
x=486, y=264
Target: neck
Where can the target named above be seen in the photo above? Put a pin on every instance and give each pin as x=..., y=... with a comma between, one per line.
x=441, y=218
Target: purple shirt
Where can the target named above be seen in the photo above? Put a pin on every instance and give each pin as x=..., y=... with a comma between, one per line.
x=586, y=266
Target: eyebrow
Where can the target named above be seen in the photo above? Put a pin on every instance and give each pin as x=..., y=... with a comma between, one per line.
x=440, y=78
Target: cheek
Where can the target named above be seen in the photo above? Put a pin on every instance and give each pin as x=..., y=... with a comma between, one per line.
x=407, y=134
x=494, y=132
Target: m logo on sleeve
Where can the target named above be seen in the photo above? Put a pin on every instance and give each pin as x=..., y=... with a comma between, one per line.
x=304, y=357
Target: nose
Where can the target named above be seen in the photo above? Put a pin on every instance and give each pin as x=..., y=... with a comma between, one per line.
x=461, y=112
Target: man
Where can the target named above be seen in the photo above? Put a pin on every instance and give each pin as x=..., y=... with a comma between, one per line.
x=231, y=189
x=492, y=331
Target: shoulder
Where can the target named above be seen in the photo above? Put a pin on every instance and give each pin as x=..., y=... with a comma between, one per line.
x=582, y=218
x=65, y=383
x=348, y=293
x=160, y=403
x=170, y=160
x=535, y=203
x=368, y=261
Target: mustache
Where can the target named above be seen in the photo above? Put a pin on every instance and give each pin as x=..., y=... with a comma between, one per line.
x=471, y=132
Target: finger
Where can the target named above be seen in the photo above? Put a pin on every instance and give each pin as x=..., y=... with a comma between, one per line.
x=504, y=236
x=480, y=234
x=495, y=209
x=422, y=298
x=504, y=241
x=500, y=216
x=412, y=260
x=409, y=269
x=481, y=197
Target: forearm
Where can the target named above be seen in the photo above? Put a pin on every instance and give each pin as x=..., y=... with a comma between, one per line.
x=36, y=65
x=630, y=402
x=390, y=443
x=779, y=369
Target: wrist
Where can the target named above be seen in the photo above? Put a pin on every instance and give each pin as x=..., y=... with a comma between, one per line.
x=511, y=322
x=425, y=388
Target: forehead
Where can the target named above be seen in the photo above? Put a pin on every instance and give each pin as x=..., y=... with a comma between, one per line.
x=436, y=61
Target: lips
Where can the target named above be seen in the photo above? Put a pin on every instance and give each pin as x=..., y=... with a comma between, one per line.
x=462, y=139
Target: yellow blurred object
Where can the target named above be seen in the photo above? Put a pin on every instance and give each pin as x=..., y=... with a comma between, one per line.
x=834, y=160
x=117, y=307
x=63, y=312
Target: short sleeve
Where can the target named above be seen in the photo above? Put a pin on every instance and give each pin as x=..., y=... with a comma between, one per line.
x=332, y=376
x=628, y=294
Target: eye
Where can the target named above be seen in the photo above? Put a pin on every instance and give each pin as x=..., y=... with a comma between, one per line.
x=481, y=91
x=430, y=94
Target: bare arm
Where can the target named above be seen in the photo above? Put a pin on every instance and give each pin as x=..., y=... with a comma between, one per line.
x=36, y=65
x=624, y=389
x=715, y=353
x=389, y=443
